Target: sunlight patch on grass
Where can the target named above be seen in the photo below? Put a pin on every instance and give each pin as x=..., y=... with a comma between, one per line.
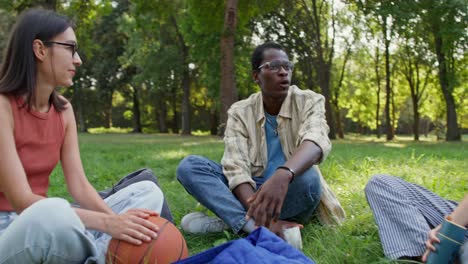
x=187, y=144
x=201, y=133
x=174, y=154
x=112, y=130
x=395, y=145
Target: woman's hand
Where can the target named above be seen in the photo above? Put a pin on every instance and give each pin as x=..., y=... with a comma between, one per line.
x=132, y=226
x=429, y=243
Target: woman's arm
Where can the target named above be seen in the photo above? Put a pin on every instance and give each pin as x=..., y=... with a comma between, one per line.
x=13, y=181
x=131, y=226
x=460, y=214
x=77, y=183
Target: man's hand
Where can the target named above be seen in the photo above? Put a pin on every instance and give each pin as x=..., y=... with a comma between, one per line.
x=279, y=226
x=266, y=203
x=132, y=226
x=429, y=243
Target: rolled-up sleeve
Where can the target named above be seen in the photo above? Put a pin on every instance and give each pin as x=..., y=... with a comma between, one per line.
x=314, y=126
x=235, y=162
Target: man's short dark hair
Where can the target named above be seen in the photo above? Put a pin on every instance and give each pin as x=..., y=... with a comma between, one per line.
x=257, y=55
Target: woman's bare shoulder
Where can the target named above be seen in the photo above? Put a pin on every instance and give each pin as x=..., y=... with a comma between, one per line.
x=6, y=114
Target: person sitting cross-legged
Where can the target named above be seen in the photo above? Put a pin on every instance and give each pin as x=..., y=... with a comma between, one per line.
x=272, y=140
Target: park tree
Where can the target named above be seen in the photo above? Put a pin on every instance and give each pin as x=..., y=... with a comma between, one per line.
x=228, y=84
x=316, y=18
x=20, y=5
x=88, y=106
x=447, y=21
x=108, y=45
x=347, y=34
x=382, y=12
x=220, y=56
x=156, y=46
x=416, y=66
x=373, y=50
x=307, y=29
x=359, y=88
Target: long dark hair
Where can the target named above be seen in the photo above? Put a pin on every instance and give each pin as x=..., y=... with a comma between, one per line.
x=18, y=70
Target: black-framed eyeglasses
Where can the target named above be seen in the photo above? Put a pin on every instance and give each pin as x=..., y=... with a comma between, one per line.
x=74, y=46
x=275, y=65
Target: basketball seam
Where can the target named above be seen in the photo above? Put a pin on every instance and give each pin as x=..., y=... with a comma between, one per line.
x=154, y=241
x=183, y=247
x=115, y=251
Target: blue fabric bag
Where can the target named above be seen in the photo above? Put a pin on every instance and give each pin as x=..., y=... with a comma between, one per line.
x=260, y=247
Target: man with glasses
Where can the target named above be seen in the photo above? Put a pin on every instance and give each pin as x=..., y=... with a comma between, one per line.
x=266, y=176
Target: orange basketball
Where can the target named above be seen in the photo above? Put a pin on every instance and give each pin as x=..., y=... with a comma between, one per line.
x=168, y=247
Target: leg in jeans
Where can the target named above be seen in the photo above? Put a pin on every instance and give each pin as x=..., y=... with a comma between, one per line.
x=302, y=198
x=134, y=177
x=140, y=195
x=49, y=231
x=464, y=253
x=404, y=213
x=204, y=180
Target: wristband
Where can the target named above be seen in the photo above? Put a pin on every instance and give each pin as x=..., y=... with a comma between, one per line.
x=288, y=169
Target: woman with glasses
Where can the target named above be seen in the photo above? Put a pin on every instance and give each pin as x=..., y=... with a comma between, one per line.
x=266, y=176
x=38, y=130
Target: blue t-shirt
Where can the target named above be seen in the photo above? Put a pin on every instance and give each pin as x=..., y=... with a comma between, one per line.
x=276, y=156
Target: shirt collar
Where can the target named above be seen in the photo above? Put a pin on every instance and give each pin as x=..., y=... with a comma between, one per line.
x=285, y=110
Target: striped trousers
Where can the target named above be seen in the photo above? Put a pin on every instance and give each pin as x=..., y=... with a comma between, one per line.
x=405, y=213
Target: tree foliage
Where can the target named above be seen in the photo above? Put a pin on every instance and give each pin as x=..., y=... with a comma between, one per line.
x=155, y=65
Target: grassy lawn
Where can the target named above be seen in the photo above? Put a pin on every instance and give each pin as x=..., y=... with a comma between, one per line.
x=439, y=166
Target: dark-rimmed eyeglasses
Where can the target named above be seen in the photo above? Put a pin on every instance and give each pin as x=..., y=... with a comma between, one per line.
x=276, y=65
x=74, y=46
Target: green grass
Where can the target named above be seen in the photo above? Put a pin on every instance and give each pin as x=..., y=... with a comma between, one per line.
x=439, y=166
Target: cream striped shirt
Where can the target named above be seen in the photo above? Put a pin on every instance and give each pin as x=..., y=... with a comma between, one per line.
x=301, y=117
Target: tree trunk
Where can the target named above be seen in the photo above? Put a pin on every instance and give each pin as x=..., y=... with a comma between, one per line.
x=336, y=98
x=415, y=100
x=377, y=76
x=175, y=122
x=339, y=126
x=415, y=121
x=161, y=113
x=186, y=130
x=136, y=112
x=453, y=132
x=228, y=91
x=214, y=120
x=79, y=110
x=108, y=111
x=323, y=72
x=389, y=127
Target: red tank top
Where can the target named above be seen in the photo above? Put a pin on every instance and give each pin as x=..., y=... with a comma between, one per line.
x=38, y=139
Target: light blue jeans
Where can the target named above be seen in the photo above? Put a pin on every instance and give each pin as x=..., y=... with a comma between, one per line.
x=204, y=180
x=50, y=231
x=464, y=253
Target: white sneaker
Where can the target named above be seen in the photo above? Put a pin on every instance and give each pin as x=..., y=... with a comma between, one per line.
x=199, y=222
x=293, y=237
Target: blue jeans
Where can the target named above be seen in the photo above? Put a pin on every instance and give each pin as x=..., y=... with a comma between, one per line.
x=50, y=231
x=204, y=180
